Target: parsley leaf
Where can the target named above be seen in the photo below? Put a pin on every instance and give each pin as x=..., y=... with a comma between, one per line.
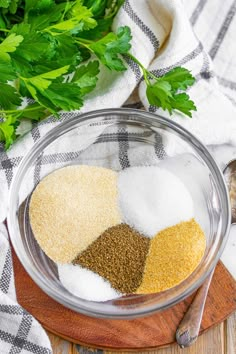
x=113, y=7
x=43, y=81
x=40, y=20
x=4, y=3
x=104, y=8
x=33, y=112
x=38, y=85
x=48, y=90
x=97, y=7
x=159, y=94
x=7, y=131
x=2, y=22
x=165, y=91
x=179, y=78
x=65, y=96
x=30, y=52
x=13, y=6
x=85, y=76
x=37, y=6
x=9, y=45
x=182, y=103
x=81, y=19
x=7, y=72
x=111, y=46
x=9, y=97
x=103, y=26
x=66, y=49
x=21, y=29
x=74, y=24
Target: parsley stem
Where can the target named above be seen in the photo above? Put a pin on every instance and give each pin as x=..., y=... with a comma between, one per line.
x=4, y=30
x=84, y=45
x=153, y=76
x=144, y=70
x=67, y=7
x=83, y=40
x=21, y=110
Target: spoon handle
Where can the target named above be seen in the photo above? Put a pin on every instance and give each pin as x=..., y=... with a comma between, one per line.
x=188, y=329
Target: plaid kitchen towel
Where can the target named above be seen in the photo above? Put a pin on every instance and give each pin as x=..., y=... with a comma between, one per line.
x=197, y=34
x=19, y=331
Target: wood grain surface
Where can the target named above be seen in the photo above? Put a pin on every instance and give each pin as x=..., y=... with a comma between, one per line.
x=220, y=339
x=230, y=335
x=139, y=334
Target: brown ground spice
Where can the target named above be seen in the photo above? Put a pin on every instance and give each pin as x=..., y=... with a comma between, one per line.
x=119, y=256
x=173, y=255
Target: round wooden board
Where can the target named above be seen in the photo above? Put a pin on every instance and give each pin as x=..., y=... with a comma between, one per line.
x=151, y=332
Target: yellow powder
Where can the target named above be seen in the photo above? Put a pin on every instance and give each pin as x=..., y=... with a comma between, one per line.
x=71, y=207
x=173, y=255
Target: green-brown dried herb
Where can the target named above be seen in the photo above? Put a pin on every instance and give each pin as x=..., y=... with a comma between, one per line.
x=119, y=256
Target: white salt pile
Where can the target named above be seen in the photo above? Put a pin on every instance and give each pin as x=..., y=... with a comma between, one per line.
x=152, y=199
x=85, y=283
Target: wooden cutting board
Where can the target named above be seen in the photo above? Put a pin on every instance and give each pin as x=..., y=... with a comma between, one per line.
x=151, y=332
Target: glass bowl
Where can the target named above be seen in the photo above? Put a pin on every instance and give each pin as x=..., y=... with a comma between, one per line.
x=116, y=139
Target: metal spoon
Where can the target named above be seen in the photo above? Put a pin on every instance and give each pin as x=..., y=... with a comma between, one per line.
x=188, y=329
x=230, y=178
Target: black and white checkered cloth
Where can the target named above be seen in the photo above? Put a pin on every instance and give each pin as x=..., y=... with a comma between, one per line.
x=198, y=34
x=19, y=331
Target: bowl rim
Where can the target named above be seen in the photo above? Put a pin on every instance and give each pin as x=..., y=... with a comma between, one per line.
x=144, y=118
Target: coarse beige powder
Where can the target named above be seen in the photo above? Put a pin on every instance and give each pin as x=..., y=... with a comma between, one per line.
x=71, y=207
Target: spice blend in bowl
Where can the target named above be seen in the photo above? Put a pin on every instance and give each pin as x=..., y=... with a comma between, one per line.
x=117, y=139
x=112, y=234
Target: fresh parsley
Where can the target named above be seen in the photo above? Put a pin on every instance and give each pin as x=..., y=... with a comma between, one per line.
x=51, y=52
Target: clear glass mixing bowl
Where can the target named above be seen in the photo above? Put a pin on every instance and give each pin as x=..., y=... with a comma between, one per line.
x=118, y=138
